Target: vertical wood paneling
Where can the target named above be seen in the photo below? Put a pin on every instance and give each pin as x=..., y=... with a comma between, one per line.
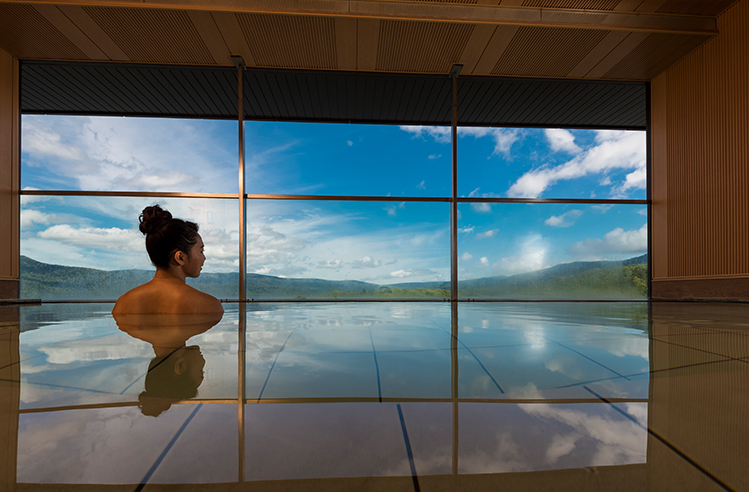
x=703, y=118
x=426, y=47
x=10, y=393
x=9, y=166
x=659, y=179
x=290, y=41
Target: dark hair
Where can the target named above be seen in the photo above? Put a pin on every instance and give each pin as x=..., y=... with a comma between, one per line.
x=164, y=385
x=165, y=235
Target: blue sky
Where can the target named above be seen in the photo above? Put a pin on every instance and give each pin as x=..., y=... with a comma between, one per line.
x=381, y=242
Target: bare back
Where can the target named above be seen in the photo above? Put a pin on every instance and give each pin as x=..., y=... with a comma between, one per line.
x=166, y=296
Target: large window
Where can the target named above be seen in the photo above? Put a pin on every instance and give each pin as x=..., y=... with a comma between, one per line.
x=337, y=211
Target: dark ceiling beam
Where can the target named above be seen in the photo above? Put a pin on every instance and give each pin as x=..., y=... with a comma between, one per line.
x=438, y=12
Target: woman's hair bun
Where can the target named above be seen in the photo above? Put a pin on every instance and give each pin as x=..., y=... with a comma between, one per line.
x=153, y=218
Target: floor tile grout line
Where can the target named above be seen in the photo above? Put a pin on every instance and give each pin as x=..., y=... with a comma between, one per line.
x=663, y=441
x=377, y=366
x=484, y=368
x=479, y=362
x=131, y=384
x=168, y=447
x=267, y=378
x=697, y=349
x=706, y=331
x=657, y=371
x=20, y=361
x=592, y=360
x=409, y=452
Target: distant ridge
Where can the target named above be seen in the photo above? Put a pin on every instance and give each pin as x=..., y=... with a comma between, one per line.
x=562, y=269
x=590, y=278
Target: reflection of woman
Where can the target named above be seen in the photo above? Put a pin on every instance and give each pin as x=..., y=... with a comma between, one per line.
x=177, y=370
x=176, y=250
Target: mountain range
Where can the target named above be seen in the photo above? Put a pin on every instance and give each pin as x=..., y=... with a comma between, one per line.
x=589, y=279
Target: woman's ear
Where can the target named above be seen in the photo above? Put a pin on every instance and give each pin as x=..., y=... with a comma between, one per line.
x=180, y=257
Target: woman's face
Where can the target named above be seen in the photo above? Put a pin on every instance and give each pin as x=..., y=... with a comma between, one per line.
x=195, y=259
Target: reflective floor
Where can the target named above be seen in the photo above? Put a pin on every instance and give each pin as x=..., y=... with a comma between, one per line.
x=377, y=396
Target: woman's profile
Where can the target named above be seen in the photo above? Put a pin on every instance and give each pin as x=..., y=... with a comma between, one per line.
x=176, y=250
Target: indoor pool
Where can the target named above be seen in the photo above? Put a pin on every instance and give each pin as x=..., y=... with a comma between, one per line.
x=377, y=396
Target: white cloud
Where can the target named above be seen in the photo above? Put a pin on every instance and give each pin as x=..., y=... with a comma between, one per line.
x=504, y=138
x=105, y=153
x=392, y=210
x=29, y=217
x=434, y=156
x=467, y=229
x=421, y=185
x=637, y=179
x=561, y=141
x=366, y=262
x=486, y=234
x=532, y=256
x=481, y=208
x=466, y=256
x=266, y=246
x=615, y=440
x=41, y=142
x=440, y=134
x=350, y=143
x=614, y=150
x=82, y=241
x=484, y=261
x=564, y=220
x=617, y=241
x=334, y=264
x=90, y=237
x=416, y=273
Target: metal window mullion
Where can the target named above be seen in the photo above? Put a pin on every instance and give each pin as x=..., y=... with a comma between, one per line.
x=454, y=194
x=129, y=194
x=649, y=189
x=241, y=363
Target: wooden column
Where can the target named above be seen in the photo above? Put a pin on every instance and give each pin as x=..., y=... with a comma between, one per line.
x=9, y=176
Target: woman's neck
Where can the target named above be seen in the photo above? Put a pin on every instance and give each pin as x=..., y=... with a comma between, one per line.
x=170, y=274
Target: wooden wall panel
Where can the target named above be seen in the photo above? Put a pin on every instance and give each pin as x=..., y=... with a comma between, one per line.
x=10, y=393
x=9, y=175
x=700, y=147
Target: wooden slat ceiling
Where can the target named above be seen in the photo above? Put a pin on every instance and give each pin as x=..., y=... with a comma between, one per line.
x=579, y=39
x=327, y=96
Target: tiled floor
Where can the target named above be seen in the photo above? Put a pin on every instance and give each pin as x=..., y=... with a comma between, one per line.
x=379, y=396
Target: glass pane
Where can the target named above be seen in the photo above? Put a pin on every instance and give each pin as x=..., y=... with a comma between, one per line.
x=97, y=153
x=554, y=350
x=551, y=163
x=552, y=251
x=344, y=159
x=307, y=249
x=99, y=237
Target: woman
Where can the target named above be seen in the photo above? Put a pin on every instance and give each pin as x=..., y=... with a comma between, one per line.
x=176, y=250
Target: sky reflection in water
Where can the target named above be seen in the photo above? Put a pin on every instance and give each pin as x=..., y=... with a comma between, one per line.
x=342, y=388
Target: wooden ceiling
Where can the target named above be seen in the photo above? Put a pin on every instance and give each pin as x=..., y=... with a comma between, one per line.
x=579, y=39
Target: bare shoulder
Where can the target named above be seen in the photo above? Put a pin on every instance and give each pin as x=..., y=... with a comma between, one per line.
x=195, y=301
x=130, y=301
